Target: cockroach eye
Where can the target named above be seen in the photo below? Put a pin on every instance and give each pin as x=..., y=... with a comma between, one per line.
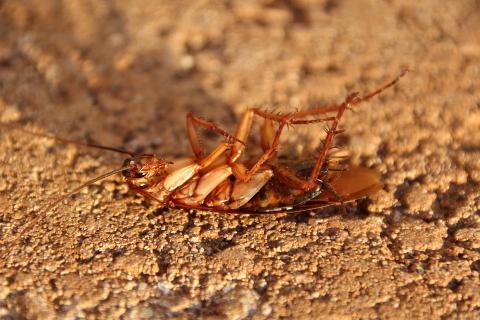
x=132, y=172
x=140, y=174
x=127, y=162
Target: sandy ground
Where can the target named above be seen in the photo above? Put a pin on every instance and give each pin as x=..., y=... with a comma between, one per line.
x=125, y=73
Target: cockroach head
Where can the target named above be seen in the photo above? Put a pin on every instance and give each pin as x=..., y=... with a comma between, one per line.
x=144, y=167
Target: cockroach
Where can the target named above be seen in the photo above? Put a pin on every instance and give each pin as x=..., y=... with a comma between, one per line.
x=222, y=181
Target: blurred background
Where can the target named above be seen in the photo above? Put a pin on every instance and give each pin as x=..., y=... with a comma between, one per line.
x=125, y=73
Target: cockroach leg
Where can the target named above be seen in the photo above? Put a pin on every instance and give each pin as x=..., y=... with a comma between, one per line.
x=288, y=177
x=195, y=141
x=241, y=134
x=266, y=131
x=244, y=128
x=332, y=190
x=246, y=175
x=381, y=89
x=312, y=181
x=267, y=134
x=214, y=155
x=268, y=139
x=352, y=100
x=335, y=108
x=269, y=154
x=271, y=141
x=311, y=121
x=148, y=195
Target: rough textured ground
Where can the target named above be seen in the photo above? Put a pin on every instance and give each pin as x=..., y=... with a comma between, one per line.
x=125, y=73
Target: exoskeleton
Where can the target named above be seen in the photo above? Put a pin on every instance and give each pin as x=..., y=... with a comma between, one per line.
x=224, y=181
x=228, y=181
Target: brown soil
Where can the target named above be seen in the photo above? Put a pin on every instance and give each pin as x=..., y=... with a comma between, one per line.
x=125, y=73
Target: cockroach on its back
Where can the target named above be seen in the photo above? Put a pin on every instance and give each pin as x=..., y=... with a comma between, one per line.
x=222, y=182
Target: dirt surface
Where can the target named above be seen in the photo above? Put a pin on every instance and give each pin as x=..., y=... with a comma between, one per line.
x=124, y=74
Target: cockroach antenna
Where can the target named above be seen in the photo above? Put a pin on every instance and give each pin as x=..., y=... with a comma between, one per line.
x=43, y=211
x=67, y=141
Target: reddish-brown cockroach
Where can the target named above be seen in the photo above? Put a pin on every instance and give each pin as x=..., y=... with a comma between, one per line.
x=224, y=182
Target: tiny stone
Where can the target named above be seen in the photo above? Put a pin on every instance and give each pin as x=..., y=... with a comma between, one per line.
x=110, y=186
x=187, y=62
x=469, y=234
x=417, y=198
x=381, y=200
x=3, y=185
x=10, y=113
x=266, y=309
x=415, y=235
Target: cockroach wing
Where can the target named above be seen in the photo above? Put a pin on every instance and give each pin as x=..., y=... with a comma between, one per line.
x=351, y=184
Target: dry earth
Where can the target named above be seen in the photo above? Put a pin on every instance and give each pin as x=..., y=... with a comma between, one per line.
x=125, y=73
